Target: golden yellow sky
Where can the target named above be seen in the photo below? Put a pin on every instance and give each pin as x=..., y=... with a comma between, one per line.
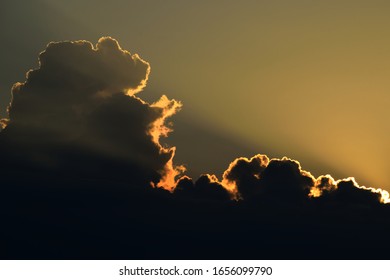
x=305, y=79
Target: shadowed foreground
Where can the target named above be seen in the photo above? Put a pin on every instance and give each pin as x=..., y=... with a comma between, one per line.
x=62, y=219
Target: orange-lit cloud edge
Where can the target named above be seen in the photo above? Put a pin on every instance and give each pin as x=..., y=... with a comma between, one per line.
x=321, y=184
x=172, y=174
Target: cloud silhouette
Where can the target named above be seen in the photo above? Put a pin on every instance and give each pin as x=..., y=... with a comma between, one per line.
x=84, y=175
x=284, y=181
x=347, y=191
x=77, y=114
x=207, y=187
x=243, y=175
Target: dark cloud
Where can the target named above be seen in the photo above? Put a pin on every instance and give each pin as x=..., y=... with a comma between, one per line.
x=285, y=180
x=324, y=184
x=70, y=79
x=243, y=175
x=207, y=187
x=3, y=123
x=84, y=175
x=347, y=191
x=77, y=115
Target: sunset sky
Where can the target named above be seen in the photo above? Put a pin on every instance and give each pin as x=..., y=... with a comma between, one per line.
x=303, y=79
x=279, y=112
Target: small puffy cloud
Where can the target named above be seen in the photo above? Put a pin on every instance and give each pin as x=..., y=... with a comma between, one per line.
x=243, y=175
x=283, y=179
x=261, y=178
x=347, y=191
x=323, y=184
x=3, y=123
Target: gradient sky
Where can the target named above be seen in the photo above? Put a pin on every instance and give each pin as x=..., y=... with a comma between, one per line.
x=304, y=79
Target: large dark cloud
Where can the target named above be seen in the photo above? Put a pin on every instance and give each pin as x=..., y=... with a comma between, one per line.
x=77, y=115
x=83, y=175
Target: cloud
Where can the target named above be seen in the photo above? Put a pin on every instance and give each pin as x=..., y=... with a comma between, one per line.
x=158, y=129
x=84, y=175
x=243, y=175
x=3, y=123
x=78, y=114
x=323, y=184
x=207, y=187
x=347, y=191
x=284, y=181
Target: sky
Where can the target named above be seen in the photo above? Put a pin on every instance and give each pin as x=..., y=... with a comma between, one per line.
x=202, y=129
x=303, y=79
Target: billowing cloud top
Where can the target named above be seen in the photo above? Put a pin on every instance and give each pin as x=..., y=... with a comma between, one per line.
x=77, y=114
x=72, y=74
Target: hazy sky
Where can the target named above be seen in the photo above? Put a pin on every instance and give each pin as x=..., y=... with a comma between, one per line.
x=305, y=79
